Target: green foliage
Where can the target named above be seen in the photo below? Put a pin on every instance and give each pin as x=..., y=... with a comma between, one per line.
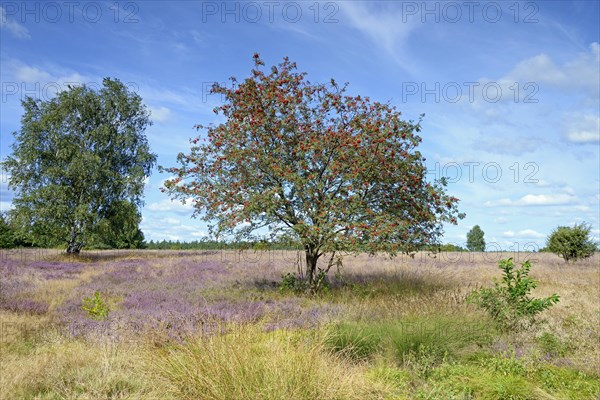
x=552, y=345
x=333, y=171
x=95, y=307
x=74, y=158
x=508, y=302
x=207, y=244
x=7, y=236
x=450, y=247
x=475, y=240
x=505, y=364
x=444, y=248
x=119, y=229
x=571, y=243
x=292, y=283
x=424, y=360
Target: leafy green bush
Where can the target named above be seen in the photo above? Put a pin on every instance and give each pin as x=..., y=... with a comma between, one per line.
x=424, y=360
x=7, y=237
x=291, y=283
x=508, y=302
x=95, y=307
x=552, y=345
x=572, y=243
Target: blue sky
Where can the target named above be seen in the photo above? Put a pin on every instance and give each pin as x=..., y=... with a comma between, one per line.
x=510, y=90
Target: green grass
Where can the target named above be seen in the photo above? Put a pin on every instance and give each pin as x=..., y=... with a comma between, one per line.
x=455, y=337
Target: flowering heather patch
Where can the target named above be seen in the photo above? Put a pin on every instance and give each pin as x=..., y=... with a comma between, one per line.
x=152, y=303
x=57, y=270
x=289, y=314
x=17, y=281
x=166, y=295
x=23, y=306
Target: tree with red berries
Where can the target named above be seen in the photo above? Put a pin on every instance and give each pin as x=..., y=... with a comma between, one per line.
x=339, y=173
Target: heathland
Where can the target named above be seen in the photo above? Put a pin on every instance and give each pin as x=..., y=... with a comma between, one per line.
x=225, y=325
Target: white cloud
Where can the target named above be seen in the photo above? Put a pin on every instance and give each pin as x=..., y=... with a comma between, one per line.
x=530, y=233
x=500, y=220
x=168, y=221
x=498, y=145
x=45, y=82
x=584, y=129
x=387, y=26
x=199, y=38
x=535, y=200
x=6, y=205
x=160, y=114
x=582, y=208
x=525, y=233
x=158, y=227
x=172, y=206
x=156, y=231
x=32, y=74
x=532, y=77
x=12, y=26
x=539, y=183
x=539, y=68
x=579, y=73
x=199, y=234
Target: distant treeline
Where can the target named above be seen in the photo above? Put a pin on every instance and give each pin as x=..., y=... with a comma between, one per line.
x=262, y=245
x=219, y=245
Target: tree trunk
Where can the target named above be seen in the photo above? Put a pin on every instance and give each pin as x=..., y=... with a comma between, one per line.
x=311, y=266
x=74, y=247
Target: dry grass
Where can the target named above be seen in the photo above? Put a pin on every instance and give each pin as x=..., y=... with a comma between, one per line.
x=74, y=370
x=250, y=364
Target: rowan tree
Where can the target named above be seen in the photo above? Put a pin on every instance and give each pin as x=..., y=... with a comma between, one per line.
x=339, y=173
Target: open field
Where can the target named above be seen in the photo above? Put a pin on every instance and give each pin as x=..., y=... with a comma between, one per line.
x=215, y=325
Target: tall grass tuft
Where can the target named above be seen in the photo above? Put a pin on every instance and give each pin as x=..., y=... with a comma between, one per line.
x=249, y=363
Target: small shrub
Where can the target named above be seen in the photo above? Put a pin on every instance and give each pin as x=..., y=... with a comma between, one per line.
x=425, y=360
x=572, y=243
x=95, y=307
x=291, y=283
x=552, y=345
x=508, y=302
